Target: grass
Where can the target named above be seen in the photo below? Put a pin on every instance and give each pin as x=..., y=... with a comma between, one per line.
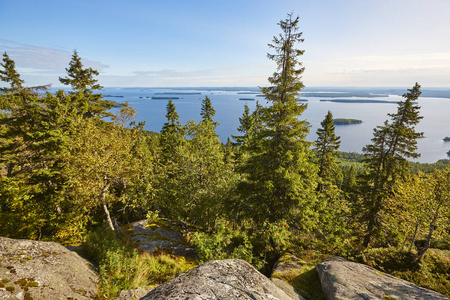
x=433, y=273
x=122, y=267
x=305, y=279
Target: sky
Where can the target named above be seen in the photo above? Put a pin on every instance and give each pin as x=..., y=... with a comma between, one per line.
x=206, y=43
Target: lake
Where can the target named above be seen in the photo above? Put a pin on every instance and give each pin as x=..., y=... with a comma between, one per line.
x=229, y=106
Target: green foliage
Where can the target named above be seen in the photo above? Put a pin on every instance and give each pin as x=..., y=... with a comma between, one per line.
x=194, y=184
x=279, y=179
x=222, y=244
x=121, y=267
x=432, y=273
x=10, y=76
x=84, y=83
x=152, y=216
x=386, y=161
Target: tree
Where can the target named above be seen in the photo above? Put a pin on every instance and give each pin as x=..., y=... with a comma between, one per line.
x=280, y=178
x=326, y=151
x=172, y=135
x=386, y=161
x=82, y=81
x=193, y=185
x=10, y=75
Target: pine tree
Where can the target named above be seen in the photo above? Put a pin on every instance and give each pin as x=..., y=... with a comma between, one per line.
x=83, y=81
x=281, y=179
x=386, y=161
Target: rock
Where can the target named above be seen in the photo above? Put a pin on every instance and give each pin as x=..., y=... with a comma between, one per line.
x=342, y=280
x=286, y=264
x=160, y=236
x=132, y=294
x=44, y=270
x=287, y=288
x=230, y=279
x=284, y=268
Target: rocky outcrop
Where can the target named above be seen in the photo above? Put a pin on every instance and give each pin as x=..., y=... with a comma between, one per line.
x=133, y=294
x=43, y=270
x=160, y=236
x=343, y=280
x=285, y=267
x=230, y=279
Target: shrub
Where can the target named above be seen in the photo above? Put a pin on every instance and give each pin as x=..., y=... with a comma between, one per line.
x=122, y=267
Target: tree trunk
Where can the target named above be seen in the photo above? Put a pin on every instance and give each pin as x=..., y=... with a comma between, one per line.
x=108, y=216
x=421, y=252
x=105, y=207
x=414, y=238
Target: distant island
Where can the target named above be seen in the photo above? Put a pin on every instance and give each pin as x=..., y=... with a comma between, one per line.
x=302, y=100
x=360, y=101
x=247, y=93
x=112, y=96
x=247, y=99
x=346, y=121
x=180, y=93
x=447, y=139
x=164, y=98
x=342, y=94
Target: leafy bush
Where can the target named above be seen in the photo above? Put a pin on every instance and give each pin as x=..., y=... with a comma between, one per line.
x=433, y=273
x=122, y=267
x=222, y=244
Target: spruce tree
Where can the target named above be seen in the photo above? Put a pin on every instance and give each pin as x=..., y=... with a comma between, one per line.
x=172, y=135
x=83, y=81
x=326, y=151
x=281, y=179
x=386, y=160
x=10, y=75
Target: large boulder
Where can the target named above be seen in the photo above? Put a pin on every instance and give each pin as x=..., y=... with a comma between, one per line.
x=230, y=279
x=342, y=279
x=287, y=267
x=162, y=235
x=43, y=270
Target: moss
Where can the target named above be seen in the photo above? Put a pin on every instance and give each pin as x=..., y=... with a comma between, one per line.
x=2, y=285
x=33, y=284
x=22, y=261
x=386, y=297
x=10, y=288
x=5, y=280
x=27, y=296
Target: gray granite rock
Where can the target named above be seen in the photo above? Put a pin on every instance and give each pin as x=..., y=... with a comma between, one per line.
x=44, y=270
x=230, y=279
x=342, y=280
x=161, y=236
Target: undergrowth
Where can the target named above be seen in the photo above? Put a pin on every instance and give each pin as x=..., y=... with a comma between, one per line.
x=121, y=267
x=433, y=273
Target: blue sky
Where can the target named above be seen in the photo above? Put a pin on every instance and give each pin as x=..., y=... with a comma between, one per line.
x=224, y=42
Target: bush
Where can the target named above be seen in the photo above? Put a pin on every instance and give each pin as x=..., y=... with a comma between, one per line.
x=122, y=267
x=222, y=244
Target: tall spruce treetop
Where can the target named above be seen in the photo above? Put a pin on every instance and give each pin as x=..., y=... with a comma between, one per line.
x=10, y=75
x=281, y=179
x=386, y=160
x=82, y=81
x=208, y=111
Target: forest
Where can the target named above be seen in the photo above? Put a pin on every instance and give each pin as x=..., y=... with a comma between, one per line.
x=72, y=171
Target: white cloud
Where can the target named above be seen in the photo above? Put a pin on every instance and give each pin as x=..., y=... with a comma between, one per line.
x=32, y=59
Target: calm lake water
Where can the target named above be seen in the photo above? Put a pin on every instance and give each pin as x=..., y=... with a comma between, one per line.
x=229, y=106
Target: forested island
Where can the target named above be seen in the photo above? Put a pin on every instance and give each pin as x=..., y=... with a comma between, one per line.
x=74, y=172
x=346, y=121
